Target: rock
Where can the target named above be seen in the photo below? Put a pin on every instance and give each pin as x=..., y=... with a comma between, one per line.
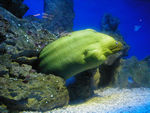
x=132, y=73
x=18, y=71
x=59, y=15
x=3, y=108
x=95, y=78
x=22, y=39
x=147, y=59
x=81, y=89
x=16, y=7
x=4, y=25
x=3, y=70
x=112, y=58
x=5, y=62
x=26, y=60
x=107, y=73
x=36, y=92
x=21, y=86
x=84, y=85
x=110, y=23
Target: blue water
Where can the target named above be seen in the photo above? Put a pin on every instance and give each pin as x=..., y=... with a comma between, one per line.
x=134, y=18
x=35, y=7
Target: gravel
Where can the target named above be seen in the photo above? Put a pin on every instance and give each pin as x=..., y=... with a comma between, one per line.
x=111, y=100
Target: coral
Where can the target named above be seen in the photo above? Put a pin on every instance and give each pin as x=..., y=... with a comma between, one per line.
x=77, y=52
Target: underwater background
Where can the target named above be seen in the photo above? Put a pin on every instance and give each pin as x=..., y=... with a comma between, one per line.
x=133, y=15
x=74, y=56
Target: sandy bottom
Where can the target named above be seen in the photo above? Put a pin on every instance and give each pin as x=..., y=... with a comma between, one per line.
x=112, y=100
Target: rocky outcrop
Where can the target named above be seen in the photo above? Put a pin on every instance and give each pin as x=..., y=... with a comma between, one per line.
x=22, y=87
x=59, y=15
x=16, y=7
x=22, y=39
x=84, y=85
x=25, y=89
x=109, y=25
x=132, y=73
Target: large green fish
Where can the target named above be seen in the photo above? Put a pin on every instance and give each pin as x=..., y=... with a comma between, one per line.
x=77, y=52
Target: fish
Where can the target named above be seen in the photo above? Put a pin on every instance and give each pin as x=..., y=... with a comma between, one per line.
x=37, y=14
x=77, y=52
x=44, y=15
x=137, y=28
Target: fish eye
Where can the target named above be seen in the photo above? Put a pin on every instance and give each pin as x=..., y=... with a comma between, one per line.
x=116, y=43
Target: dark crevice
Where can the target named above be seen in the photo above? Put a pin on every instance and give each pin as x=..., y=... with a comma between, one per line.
x=107, y=73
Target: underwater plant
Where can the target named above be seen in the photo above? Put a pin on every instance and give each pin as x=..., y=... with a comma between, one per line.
x=77, y=52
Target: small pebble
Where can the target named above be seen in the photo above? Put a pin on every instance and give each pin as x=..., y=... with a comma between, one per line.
x=52, y=96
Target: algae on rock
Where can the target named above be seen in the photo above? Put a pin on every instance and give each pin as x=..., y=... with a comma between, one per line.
x=37, y=92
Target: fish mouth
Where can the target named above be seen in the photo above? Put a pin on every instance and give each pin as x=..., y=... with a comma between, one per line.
x=114, y=49
x=118, y=47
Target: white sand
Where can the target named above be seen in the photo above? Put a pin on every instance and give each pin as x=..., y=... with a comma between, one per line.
x=112, y=100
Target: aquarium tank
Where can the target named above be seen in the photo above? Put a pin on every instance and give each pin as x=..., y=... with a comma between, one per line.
x=74, y=56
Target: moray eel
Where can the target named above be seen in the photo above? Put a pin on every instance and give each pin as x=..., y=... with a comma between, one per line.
x=77, y=52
